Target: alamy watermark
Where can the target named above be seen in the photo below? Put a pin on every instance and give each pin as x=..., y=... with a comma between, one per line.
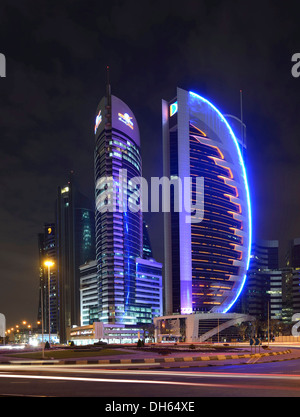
x=2, y=65
x=122, y=194
x=296, y=67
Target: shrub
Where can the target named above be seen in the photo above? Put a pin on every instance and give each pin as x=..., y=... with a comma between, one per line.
x=140, y=343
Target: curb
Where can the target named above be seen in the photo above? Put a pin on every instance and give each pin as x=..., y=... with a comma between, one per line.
x=145, y=361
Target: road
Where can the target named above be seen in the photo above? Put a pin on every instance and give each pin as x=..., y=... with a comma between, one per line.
x=274, y=379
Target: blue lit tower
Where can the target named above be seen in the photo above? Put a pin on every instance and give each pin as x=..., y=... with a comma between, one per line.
x=119, y=228
x=206, y=261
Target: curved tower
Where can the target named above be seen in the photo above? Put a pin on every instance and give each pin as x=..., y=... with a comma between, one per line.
x=119, y=228
x=206, y=260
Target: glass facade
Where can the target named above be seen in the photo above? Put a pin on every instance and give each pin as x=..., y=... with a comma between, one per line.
x=263, y=290
x=206, y=260
x=147, y=250
x=148, y=296
x=119, y=226
x=75, y=237
x=47, y=251
x=88, y=293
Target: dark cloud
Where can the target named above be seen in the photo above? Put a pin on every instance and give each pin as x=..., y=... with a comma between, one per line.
x=57, y=53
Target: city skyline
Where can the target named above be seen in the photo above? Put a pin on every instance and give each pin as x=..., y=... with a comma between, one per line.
x=53, y=83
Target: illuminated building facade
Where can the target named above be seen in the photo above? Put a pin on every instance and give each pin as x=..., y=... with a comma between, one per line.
x=88, y=293
x=147, y=250
x=291, y=281
x=206, y=260
x=119, y=227
x=148, y=289
x=47, y=251
x=262, y=295
x=75, y=245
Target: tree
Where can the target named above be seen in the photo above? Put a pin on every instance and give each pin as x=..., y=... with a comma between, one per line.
x=243, y=329
x=148, y=329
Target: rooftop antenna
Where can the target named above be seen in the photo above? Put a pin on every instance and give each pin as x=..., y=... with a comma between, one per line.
x=242, y=124
x=108, y=89
x=108, y=96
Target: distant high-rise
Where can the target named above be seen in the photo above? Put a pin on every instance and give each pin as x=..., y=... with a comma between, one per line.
x=291, y=281
x=206, y=260
x=262, y=295
x=47, y=251
x=89, y=296
x=75, y=245
x=293, y=254
x=147, y=249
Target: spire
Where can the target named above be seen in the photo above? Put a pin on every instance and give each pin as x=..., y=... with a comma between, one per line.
x=108, y=89
x=108, y=97
x=242, y=127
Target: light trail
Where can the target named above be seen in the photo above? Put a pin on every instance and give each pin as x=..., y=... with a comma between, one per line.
x=90, y=369
x=244, y=387
x=127, y=381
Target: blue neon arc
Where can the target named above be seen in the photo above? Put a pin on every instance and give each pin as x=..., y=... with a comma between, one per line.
x=222, y=118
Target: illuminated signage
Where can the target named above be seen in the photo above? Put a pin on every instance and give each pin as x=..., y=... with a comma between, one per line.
x=125, y=118
x=173, y=108
x=82, y=333
x=2, y=66
x=49, y=230
x=98, y=121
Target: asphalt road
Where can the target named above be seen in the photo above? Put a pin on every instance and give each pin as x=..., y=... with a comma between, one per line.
x=145, y=386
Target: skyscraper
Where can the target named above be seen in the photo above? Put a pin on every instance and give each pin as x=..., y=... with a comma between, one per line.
x=291, y=281
x=89, y=296
x=206, y=257
x=147, y=249
x=47, y=251
x=262, y=295
x=293, y=253
x=75, y=245
x=119, y=227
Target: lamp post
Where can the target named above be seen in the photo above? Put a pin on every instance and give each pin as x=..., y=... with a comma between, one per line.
x=268, y=324
x=49, y=264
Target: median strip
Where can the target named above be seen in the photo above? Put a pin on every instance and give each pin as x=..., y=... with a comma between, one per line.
x=147, y=360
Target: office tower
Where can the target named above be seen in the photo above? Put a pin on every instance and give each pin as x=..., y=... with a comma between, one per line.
x=75, y=240
x=148, y=293
x=207, y=251
x=119, y=230
x=291, y=281
x=263, y=290
x=89, y=295
x=293, y=254
x=119, y=219
x=47, y=251
x=290, y=293
x=147, y=249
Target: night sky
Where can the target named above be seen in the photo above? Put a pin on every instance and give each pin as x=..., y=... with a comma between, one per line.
x=56, y=57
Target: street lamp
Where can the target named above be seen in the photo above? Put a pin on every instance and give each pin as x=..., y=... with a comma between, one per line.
x=49, y=264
